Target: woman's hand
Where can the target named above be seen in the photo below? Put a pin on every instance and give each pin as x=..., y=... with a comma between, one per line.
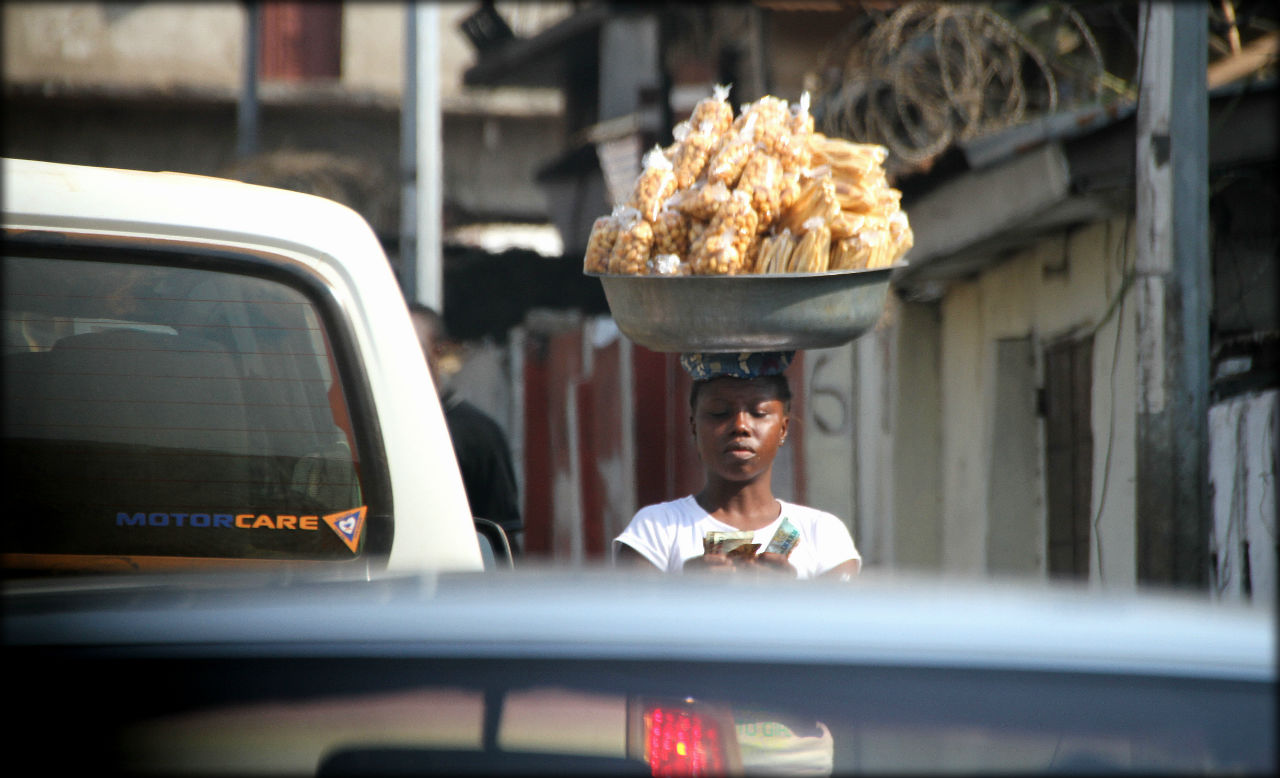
x=773, y=562
x=711, y=562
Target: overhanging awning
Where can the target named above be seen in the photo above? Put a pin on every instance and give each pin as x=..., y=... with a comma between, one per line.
x=969, y=222
x=1039, y=179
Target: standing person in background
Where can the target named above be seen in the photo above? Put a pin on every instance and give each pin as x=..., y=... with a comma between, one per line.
x=483, y=454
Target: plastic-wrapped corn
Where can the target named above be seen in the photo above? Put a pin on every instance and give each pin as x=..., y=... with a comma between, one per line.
x=775, y=253
x=697, y=227
x=739, y=217
x=700, y=201
x=900, y=235
x=797, y=154
x=817, y=199
x=802, y=120
x=715, y=109
x=695, y=144
x=656, y=183
x=792, y=183
x=715, y=252
x=762, y=179
x=604, y=233
x=772, y=124
x=759, y=193
x=854, y=196
x=875, y=234
x=666, y=265
x=751, y=257
x=888, y=200
x=848, y=254
x=864, y=250
x=670, y=233
x=726, y=164
x=847, y=158
x=635, y=241
x=812, y=254
x=846, y=224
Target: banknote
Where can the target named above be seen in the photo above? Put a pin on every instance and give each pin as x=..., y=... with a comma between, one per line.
x=785, y=539
x=725, y=542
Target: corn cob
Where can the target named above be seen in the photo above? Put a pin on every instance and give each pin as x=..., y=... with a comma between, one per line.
x=775, y=254
x=817, y=199
x=751, y=257
x=701, y=201
x=715, y=253
x=726, y=164
x=696, y=142
x=900, y=234
x=848, y=254
x=813, y=252
x=604, y=233
x=762, y=179
x=740, y=219
x=715, y=109
x=772, y=124
x=654, y=186
x=670, y=233
x=635, y=241
x=846, y=225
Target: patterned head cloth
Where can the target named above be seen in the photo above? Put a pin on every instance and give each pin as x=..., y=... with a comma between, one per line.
x=743, y=364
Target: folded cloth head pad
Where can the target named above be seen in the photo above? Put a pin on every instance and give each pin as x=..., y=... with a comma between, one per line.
x=742, y=364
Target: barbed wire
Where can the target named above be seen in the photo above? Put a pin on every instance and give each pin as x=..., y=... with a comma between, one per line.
x=929, y=74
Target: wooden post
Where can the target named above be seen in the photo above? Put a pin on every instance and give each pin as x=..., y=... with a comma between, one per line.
x=1172, y=295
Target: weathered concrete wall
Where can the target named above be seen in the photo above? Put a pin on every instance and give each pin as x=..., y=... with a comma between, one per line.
x=913, y=522
x=1061, y=287
x=373, y=44
x=180, y=44
x=124, y=44
x=830, y=439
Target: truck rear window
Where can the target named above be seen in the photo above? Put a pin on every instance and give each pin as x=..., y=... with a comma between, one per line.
x=155, y=410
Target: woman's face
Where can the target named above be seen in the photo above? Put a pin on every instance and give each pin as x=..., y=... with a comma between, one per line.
x=738, y=425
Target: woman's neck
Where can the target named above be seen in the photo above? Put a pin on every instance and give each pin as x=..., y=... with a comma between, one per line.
x=748, y=506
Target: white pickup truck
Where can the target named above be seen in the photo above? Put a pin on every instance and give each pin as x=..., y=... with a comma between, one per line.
x=201, y=373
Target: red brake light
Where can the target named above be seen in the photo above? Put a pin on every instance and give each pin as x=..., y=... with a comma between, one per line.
x=678, y=741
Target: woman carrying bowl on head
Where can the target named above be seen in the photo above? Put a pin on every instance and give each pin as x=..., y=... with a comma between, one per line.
x=740, y=407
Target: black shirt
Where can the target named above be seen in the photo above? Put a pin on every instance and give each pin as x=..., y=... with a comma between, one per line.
x=485, y=461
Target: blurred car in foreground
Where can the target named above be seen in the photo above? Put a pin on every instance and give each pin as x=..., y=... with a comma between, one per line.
x=204, y=373
x=605, y=671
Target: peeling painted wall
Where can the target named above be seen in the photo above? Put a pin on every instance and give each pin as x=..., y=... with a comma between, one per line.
x=1060, y=287
x=1242, y=470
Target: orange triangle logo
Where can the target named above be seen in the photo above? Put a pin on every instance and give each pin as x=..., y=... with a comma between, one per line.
x=348, y=525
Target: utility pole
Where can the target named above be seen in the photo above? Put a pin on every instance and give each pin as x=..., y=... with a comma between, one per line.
x=247, y=106
x=1172, y=295
x=407, y=266
x=421, y=160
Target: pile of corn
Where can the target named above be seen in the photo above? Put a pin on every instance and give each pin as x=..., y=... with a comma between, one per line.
x=762, y=192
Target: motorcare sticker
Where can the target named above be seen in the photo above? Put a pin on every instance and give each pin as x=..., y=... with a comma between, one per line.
x=348, y=524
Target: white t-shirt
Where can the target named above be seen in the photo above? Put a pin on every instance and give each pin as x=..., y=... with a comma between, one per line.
x=668, y=533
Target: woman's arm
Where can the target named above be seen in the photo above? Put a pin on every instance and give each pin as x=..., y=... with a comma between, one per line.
x=629, y=557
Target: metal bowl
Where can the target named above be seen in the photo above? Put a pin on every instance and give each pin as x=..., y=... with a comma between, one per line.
x=776, y=312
